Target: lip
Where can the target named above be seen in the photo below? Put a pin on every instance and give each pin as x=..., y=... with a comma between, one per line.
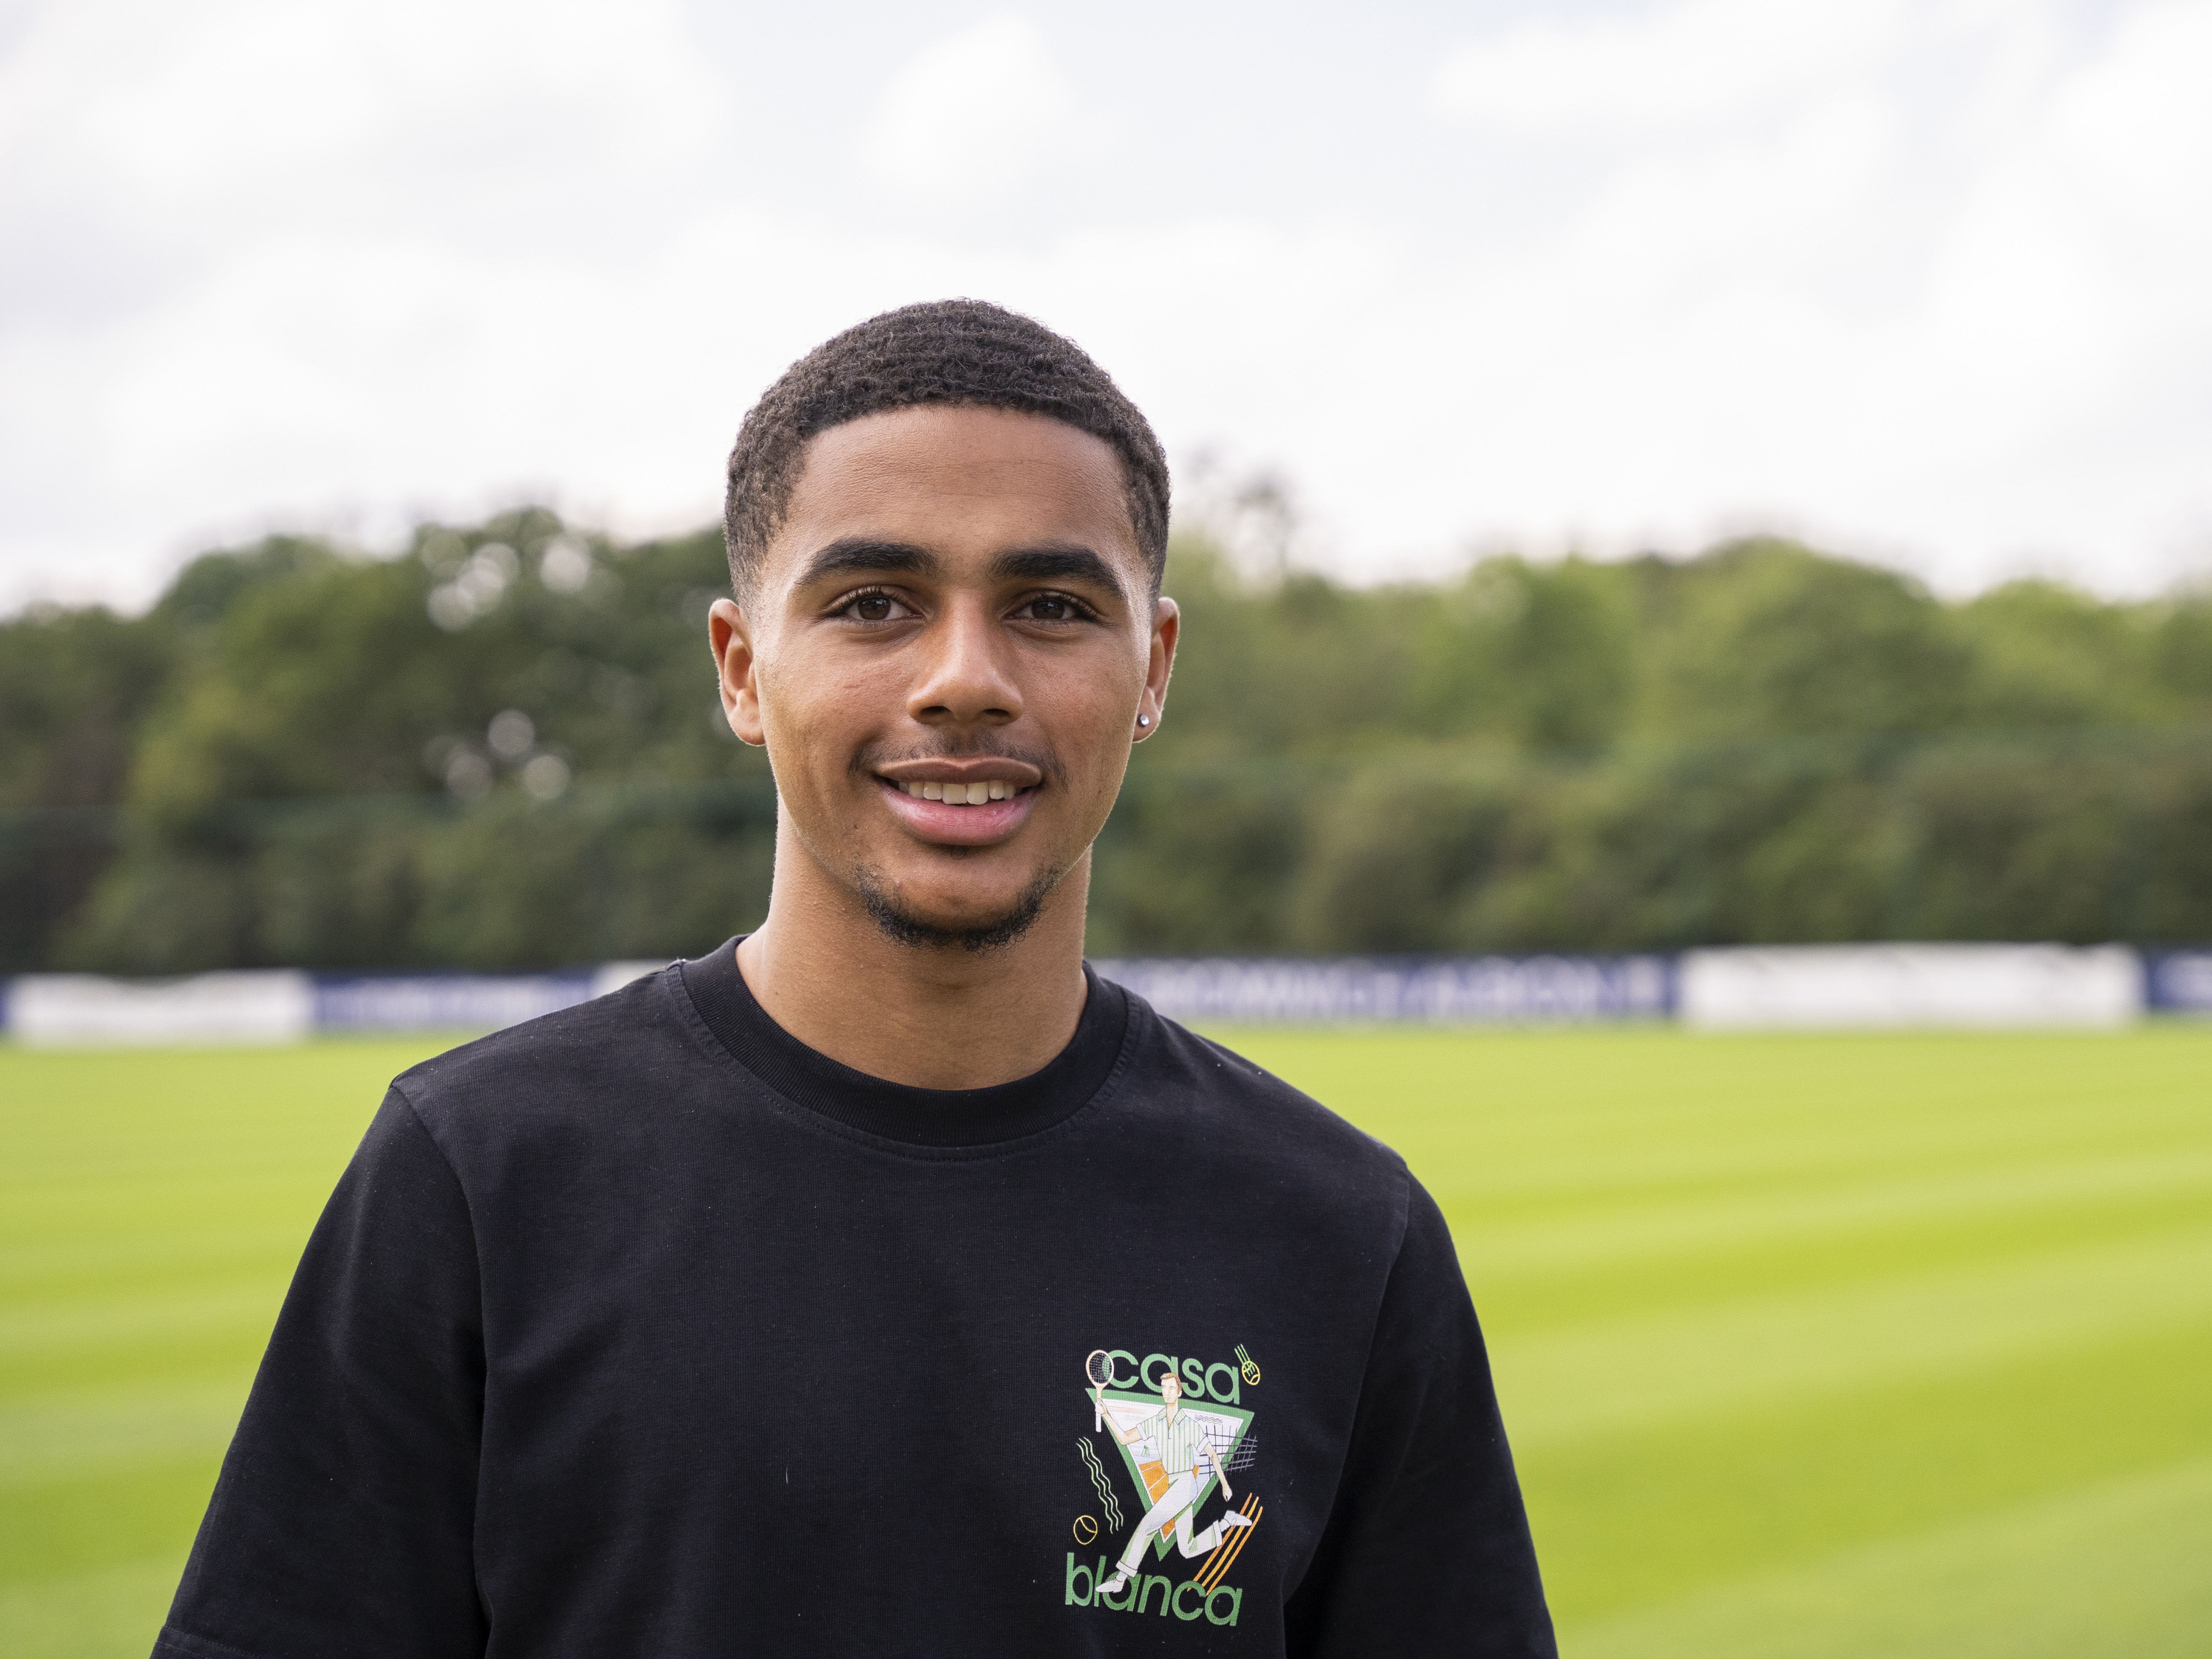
x=958, y=826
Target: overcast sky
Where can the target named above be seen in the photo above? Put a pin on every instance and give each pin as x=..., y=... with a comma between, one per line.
x=1927, y=282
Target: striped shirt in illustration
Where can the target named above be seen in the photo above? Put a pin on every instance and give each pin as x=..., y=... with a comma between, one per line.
x=1182, y=1442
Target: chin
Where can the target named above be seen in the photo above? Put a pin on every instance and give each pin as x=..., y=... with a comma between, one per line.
x=978, y=925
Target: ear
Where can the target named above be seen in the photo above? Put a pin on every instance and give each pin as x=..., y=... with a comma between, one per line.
x=730, y=634
x=1167, y=626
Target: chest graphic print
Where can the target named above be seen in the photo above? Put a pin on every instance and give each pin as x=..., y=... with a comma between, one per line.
x=1172, y=1432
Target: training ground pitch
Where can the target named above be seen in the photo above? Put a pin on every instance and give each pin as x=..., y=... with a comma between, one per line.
x=1811, y=1348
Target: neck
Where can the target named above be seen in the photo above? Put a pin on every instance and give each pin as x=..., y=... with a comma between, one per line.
x=932, y=1016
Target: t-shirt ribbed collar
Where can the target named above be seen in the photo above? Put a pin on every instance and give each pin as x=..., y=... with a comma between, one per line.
x=898, y=1111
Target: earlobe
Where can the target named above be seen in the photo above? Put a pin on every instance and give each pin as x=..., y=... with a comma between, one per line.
x=741, y=707
x=735, y=666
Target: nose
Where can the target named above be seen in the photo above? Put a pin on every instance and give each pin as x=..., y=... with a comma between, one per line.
x=967, y=675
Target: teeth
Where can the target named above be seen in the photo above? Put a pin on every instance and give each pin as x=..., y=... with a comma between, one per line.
x=962, y=794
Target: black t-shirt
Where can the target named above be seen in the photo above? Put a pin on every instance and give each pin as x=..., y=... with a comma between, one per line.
x=644, y=1328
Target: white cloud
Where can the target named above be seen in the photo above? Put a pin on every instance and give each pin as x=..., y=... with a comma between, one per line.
x=223, y=118
x=1935, y=281
x=975, y=114
x=1689, y=63
x=305, y=261
x=1899, y=275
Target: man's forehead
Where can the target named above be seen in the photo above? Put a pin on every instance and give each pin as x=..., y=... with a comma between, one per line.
x=960, y=482
x=936, y=435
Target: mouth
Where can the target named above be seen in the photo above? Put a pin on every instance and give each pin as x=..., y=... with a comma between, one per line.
x=961, y=803
x=960, y=794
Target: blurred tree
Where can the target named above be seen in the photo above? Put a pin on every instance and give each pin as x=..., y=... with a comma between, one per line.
x=75, y=688
x=2181, y=651
x=1394, y=855
x=1563, y=649
x=1773, y=640
x=2047, y=656
x=503, y=749
x=457, y=714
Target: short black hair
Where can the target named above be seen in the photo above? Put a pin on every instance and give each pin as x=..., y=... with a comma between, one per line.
x=945, y=352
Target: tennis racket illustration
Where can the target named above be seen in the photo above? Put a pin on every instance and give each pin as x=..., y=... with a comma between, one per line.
x=1099, y=1368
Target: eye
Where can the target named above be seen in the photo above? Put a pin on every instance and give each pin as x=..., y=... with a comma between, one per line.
x=1053, y=608
x=873, y=606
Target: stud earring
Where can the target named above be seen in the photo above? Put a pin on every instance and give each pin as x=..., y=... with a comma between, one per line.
x=1143, y=720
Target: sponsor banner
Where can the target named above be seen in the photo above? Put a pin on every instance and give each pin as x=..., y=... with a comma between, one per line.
x=2179, y=981
x=71, y=1010
x=417, y=1002
x=1323, y=990
x=1806, y=987
x=282, y=1005
x=1843, y=985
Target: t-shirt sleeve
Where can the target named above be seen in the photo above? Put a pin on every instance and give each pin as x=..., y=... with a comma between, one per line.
x=1427, y=1550
x=342, y=1522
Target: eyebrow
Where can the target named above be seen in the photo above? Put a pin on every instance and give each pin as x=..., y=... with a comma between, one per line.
x=1044, y=564
x=859, y=554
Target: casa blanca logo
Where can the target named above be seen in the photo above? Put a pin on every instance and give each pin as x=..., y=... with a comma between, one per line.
x=1223, y=1380
x=1182, y=1430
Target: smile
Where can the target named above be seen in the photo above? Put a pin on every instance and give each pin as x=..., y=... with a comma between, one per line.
x=953, y=811
x=962, y=794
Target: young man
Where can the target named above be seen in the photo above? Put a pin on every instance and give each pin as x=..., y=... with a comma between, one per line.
x=747, y=1310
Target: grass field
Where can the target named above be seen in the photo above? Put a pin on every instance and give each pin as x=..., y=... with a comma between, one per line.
x=1884, y=1347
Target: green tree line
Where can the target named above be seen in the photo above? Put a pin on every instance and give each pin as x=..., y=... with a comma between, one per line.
x=502, y=749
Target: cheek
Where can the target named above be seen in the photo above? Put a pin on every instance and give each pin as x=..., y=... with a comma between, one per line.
x=1095, y=758
x=815, y=704
x=1097, y=704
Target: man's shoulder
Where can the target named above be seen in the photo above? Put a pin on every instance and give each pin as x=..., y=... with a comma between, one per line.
x=610, y=1044
x=1267, y=1128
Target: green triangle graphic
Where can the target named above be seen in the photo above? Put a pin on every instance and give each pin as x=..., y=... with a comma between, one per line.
x=1150, y=1402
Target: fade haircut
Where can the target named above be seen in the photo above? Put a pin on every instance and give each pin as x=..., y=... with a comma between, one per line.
x=947, y=351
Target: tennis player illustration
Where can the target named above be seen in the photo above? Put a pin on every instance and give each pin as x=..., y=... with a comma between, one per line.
x=1186, y=1453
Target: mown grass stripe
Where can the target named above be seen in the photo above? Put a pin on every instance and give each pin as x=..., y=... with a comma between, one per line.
x=86, y=1431
x=104, y=1613
x=2027, y=1194
x=1645, y=1514
x=2113, y=1569
x=1778, y=1345
x=248, y=1305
